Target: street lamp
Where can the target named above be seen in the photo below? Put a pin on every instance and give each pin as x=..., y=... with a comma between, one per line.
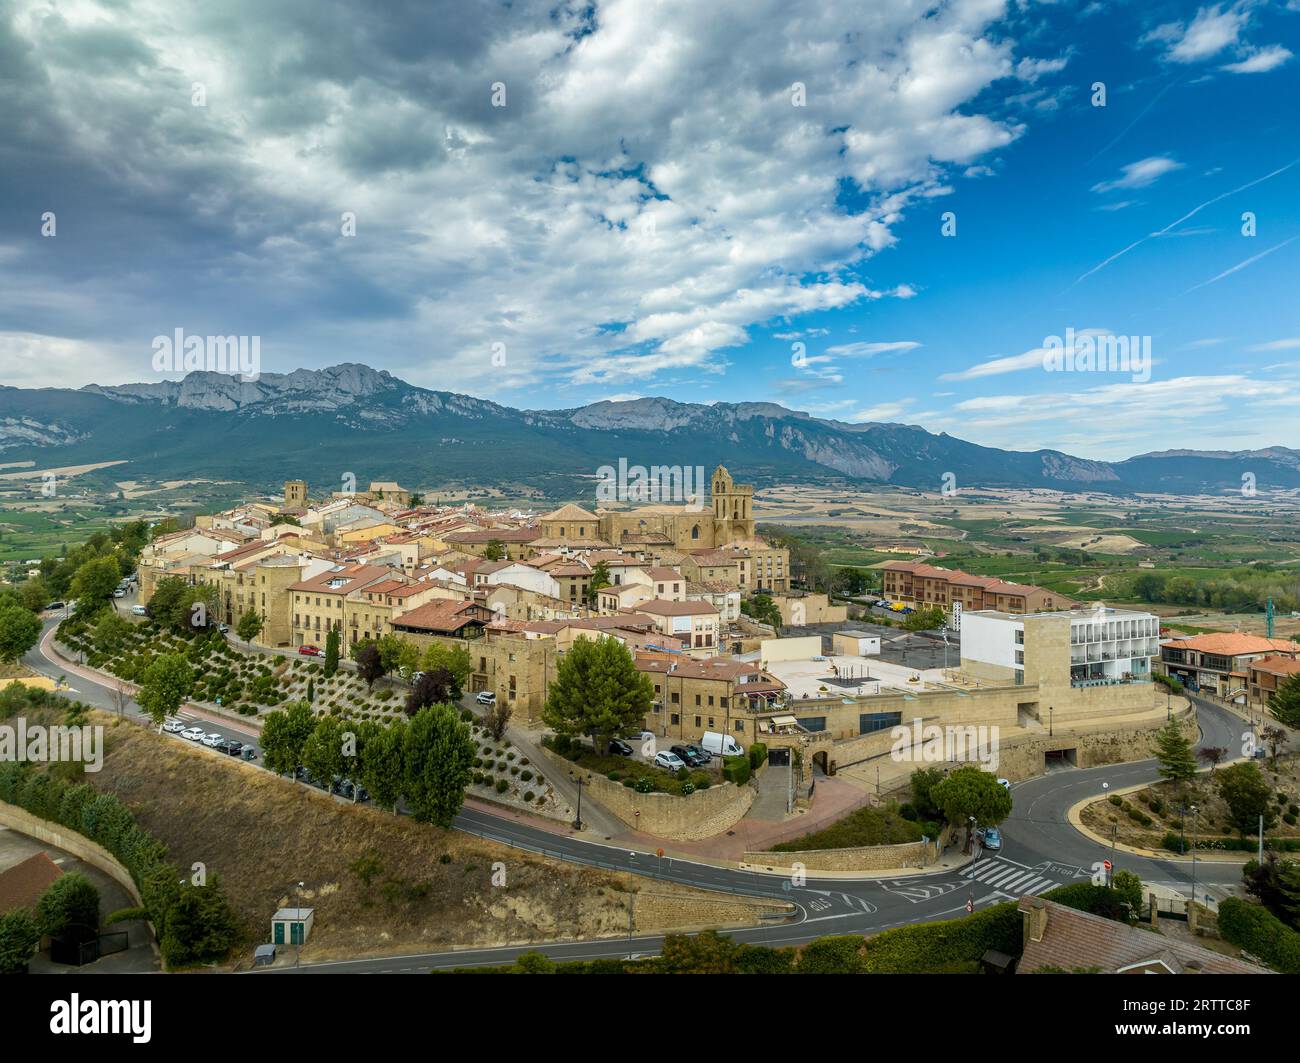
x=577, y=822
x=1194, y=811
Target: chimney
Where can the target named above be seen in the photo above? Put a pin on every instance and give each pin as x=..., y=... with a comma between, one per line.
x=1035, y=919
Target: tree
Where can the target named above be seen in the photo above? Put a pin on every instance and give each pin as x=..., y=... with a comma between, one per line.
x=1174, y=752
x=94, y=584
x=20, y=629
x=761, y=608
x=284, y=736
x=924, y=780
x=599, y=580
x=331, y=651
x=455, y=658
x=1129, y=887
x=971, y=792
x=165, y=603
x=34, y=593
x=597, y=691
x=390, y=652
x=249, y=626
x=497, y=719
x=495, y=550
x=437, y=759
x=1274, y=738
x=408, y=659
x=370, y=666
x=1248, y=796
x=19, y=936
x=925, y=618
x=1212, y=755
x=851, y=581
x=322, y=753
x=200, y=925
x=111, y=632
x=69, y=908
x=381, y=768
x=1285, y=703
x=1276, y=885
x=166, y=683
x=432, y=688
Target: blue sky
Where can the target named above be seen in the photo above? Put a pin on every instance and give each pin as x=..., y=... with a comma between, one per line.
x=632, y=199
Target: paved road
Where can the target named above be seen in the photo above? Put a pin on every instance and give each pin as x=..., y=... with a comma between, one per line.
x=1040, y=850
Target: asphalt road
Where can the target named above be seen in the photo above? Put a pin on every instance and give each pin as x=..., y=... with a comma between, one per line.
x=1040, y=850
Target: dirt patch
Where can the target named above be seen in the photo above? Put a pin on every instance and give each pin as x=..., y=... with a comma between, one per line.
x=379, y=883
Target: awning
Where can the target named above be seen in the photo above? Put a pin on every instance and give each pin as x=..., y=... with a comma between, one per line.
x=784, y=721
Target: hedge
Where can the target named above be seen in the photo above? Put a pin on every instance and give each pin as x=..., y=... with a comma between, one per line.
x=736, y=769
x=926, y=947
x=1260, y=933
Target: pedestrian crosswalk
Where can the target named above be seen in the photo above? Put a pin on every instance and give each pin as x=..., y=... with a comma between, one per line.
x=1011, y=878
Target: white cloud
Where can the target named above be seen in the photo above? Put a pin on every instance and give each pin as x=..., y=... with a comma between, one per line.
x=870, y=350
x=1141, y=173
x=1210, y=32
x=1260, y=62
x=1290, y=343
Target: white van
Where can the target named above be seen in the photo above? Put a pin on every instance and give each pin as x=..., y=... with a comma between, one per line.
x=721, y=745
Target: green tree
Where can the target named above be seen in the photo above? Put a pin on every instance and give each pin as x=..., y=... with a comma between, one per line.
x=69, y=908
x=761, y=608
x=924, y=780
x=165, y=603
x=597, y=691
x=925, y=618
x=166, y=683
x=408, y=659
x=1174, y=752
x=1247, y=794
x=200, y=926
x=20, y=629
x=249, y=626
x=34, y=593
x=390, y=652
x=322, y=753
x=94, y=584
x=495, y=550
x=284, y=736
x=381, y=769
x=331, y=651
x=437, y=758
x=599, y=580
x=454, y=658
x=1285, y=703
x=970, y=791
x=111, y=632
x=432, y=688
x=19, y=936
x=1129, y=887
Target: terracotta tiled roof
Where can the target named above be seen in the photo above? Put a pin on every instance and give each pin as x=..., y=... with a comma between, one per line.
x=571, y=512
x=661, y=573
x=443, y=616
x=1230, y=643
x=22, y=885
x=659, y=607
x=1276, y=665
x=1074, y=939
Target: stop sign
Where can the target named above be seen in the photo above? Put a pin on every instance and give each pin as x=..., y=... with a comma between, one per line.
x=1106, y=864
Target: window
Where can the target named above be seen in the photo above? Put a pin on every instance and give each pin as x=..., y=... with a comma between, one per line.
x=697, y=721
x=813, y=723
x=710, y=721
x=876, y=721
x=740, y=725
x=676, y=719
x=697, y=699
x=676, y=697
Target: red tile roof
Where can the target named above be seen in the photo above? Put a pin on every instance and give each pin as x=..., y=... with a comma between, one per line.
x=21, y=886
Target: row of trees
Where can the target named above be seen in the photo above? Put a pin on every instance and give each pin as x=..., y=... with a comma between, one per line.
x=425, y=762
x=69, y=909
x=1239, y=592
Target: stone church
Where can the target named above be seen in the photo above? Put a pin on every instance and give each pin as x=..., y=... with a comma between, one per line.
x=728, y=518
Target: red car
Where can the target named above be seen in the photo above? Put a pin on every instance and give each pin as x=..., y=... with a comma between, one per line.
x=309, y=651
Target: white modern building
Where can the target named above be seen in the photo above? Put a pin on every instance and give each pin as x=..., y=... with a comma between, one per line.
x=1105, y=645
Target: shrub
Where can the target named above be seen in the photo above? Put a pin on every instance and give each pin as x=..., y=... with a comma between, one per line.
x=529, y=795
x=925, y=947
x=1116, y=800
x=1260, y=933
x=503, y=785
x=757, y=755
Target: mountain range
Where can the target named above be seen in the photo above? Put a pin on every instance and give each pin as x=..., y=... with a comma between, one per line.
x=319, y=425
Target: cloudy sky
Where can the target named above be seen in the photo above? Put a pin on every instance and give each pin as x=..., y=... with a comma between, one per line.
x=867, y=209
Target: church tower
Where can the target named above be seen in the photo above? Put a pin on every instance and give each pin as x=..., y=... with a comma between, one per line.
x=733, y=508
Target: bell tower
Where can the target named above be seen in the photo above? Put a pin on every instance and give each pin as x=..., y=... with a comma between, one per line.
x=733, y=516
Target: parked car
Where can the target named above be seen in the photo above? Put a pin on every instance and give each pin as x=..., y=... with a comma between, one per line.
x=1005, y=783
x=416, y=677
x=619, y=748
x=309, y=651
x=671, y=761
x=362, y=793
x=699, y=751
x=223, y=628
x=721, y=745
x=119, y=593
x=173, y=727
x=485, y=697
x=249, y=753
x=212, y=739
x=192, y=734
x=139, y=610
x=687, y=757
x=231, y=747
x=55, y=605
x=990, y=838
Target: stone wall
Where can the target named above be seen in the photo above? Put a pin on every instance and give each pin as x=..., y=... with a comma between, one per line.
x=78, y=845
x=700, y=815
x=866, y=858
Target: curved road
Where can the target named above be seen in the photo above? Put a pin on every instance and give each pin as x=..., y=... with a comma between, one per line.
x=1040, y=850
